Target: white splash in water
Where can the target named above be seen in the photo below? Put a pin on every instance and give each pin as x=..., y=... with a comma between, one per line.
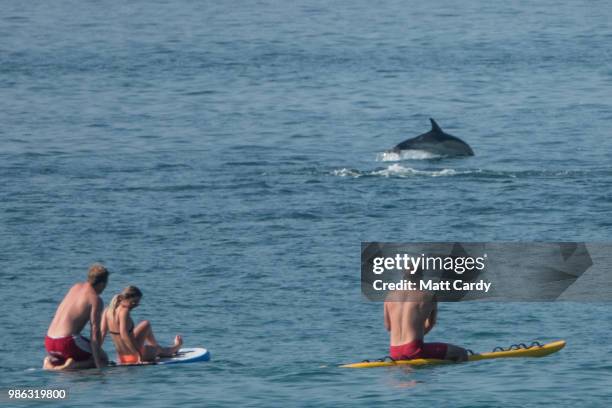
x=406, y=155
x=346, y=173
x=398, y=170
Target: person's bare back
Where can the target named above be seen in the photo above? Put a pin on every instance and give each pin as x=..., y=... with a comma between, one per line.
x=406, y=315
x=74, y=311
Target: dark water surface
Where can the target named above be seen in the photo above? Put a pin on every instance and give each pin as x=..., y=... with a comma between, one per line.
x=225, y=157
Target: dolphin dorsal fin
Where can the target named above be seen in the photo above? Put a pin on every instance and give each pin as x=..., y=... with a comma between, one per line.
x=434, y=126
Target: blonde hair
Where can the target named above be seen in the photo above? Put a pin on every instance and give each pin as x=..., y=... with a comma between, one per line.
x=97, y=274
x=130, y=292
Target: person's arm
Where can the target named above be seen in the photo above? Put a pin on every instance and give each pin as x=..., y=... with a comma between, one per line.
x=387, y=319
x=430, y=322
x=104, y=327
x=94, y=321
x=126, y=336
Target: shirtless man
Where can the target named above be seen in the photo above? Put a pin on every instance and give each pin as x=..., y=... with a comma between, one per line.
x=64, y=343
x=409, y=316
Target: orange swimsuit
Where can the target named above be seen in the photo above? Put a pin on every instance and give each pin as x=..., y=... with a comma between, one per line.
x=126, y=358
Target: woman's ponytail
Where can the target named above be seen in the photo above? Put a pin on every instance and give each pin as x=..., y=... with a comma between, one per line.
x=112, y=306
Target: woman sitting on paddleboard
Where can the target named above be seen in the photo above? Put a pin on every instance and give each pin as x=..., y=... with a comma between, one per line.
x=134, y=344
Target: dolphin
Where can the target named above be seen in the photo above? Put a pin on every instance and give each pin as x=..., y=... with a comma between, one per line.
x=437, y=142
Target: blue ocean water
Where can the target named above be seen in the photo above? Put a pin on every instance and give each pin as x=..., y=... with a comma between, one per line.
x=225, y=158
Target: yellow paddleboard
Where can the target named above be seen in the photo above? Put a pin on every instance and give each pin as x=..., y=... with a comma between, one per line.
x=532, y=351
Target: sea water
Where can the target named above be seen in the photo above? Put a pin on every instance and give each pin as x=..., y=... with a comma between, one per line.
x=229, y=157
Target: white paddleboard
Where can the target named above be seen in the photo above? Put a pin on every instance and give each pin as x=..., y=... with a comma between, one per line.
x=184, y=355
x=187, y=355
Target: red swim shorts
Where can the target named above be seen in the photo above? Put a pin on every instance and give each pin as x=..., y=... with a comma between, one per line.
x=60, y=349
x=418, y=349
